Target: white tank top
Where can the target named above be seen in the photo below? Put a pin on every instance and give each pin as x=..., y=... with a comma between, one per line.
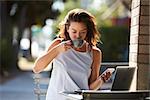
x=71, y=71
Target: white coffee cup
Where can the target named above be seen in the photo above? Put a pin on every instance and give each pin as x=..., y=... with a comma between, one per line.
x=77, y=43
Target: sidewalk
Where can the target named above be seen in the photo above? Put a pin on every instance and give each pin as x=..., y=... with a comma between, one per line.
x=21, y=88
x=18, y=88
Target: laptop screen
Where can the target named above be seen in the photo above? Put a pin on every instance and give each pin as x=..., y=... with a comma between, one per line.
x=123, y=78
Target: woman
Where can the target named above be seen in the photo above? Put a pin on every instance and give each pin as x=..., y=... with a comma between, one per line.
x=73, y=67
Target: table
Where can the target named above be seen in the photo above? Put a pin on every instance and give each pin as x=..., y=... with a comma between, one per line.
x=108, y=95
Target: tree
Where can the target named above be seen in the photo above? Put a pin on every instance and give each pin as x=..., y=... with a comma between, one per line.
x=19, y=14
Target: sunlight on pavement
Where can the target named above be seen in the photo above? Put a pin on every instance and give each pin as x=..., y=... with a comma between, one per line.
x=26, y=65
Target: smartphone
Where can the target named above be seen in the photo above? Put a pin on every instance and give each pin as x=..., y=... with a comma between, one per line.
x=107, y=74
x=111, y=70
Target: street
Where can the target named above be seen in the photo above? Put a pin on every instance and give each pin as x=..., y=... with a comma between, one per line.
x=19, y=88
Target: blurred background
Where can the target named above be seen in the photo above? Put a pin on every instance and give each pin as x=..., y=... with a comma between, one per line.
x=28, y=27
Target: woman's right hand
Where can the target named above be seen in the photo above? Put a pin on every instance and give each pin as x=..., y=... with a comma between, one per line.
x=64, y=46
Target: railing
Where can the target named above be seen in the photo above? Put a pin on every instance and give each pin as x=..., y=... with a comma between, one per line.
x=41, y=81
x=114, y=64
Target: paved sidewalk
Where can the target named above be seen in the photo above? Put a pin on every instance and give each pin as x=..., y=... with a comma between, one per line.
x=18, y=88
x=21, y=88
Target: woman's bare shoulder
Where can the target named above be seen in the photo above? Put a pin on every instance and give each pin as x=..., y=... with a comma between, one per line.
x=96, y=50
x=55, y=42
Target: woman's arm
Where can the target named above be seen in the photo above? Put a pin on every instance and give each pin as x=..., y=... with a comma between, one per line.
x=55, y=48
x=95, y=80
x=45, y=59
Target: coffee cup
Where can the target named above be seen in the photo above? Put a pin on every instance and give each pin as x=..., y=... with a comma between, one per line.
x=77, y=43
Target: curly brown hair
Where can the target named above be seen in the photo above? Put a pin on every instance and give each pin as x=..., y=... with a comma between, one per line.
x=80, y=15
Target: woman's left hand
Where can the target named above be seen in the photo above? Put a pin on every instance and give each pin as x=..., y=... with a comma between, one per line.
x=107, y=74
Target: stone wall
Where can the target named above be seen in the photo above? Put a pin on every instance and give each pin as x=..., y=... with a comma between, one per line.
x=139, y=55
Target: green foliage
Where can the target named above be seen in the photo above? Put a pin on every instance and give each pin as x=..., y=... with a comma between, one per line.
x=97, y=13
x=6, y=54
x=115, y=43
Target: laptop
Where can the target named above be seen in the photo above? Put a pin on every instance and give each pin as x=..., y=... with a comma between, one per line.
x=122, y=80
